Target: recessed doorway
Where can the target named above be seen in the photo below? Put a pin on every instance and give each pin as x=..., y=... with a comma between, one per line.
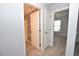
x=32, y=29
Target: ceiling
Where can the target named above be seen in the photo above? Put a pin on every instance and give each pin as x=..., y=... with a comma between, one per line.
x=28, y=8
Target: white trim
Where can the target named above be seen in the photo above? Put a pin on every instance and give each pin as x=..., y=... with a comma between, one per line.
x=22, y=6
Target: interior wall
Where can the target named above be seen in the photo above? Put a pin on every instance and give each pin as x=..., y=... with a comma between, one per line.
x=12, y=42
x=72, y=27
x=64, y=24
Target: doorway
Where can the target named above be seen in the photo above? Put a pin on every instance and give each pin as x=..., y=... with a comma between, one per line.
x=60, y=26
x=32, y=29
x=60, y=31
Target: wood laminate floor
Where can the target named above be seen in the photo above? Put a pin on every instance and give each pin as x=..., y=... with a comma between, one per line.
x=58, y=48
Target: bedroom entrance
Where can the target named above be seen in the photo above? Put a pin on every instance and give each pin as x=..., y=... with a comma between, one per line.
x=60, y=30
x=32, y=29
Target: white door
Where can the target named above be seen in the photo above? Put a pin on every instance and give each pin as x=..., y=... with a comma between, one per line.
x=35, y=29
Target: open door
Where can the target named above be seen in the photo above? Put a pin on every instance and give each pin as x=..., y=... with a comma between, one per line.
x=35, y=29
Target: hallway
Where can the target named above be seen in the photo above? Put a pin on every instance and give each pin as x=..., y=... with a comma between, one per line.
x=57, y=50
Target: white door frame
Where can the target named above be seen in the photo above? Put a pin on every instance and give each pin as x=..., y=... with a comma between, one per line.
x=52, y=18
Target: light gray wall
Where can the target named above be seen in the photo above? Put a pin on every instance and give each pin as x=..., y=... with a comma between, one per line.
x=72, y=27
x=63, y=16
x=11, y=30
